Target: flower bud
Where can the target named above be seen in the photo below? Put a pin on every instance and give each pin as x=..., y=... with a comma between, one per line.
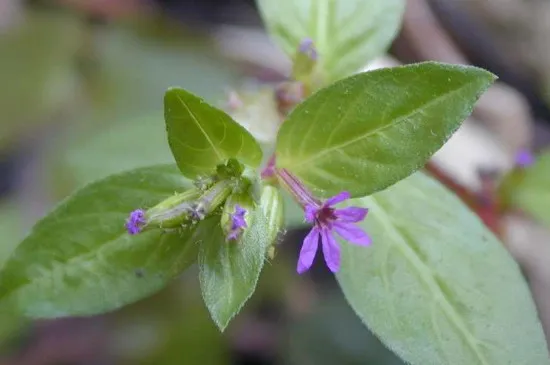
x=170, y=213
x=289, y=94
x=181, y=209
x=272, y=207
x=174, y=211
x=304, y=60
x=213, y=198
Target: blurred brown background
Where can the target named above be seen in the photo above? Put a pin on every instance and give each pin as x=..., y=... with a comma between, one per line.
x=81, y=85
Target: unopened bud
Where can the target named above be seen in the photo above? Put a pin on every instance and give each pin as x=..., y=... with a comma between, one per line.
x=288, y=95
x=272, y=207
x=213, y=198
x=304, y=60
x=171, y=213
x=174, y=211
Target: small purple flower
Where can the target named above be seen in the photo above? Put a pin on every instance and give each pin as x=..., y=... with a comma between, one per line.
x=135, y=221
x=238, y=223
x=326, y=221
x=269, y=170
x=308, y=48
x=524, y=158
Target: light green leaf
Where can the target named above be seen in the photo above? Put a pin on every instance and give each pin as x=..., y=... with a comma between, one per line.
x=369, y=131
x=347, y=34
x=79, y=260
x=202, y=136
x=436, y=286
x=529, y=189
x=229, y=271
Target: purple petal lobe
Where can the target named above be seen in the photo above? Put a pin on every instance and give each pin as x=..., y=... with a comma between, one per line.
x=331, y=250
x=352, y=233
x=308, y=251
x=238, y=223
x=351, y=214
x=135, y=221
x=344, y=195
x=309, y=213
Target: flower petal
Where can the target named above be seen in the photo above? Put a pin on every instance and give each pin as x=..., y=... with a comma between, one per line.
x=309, y=213
x=344, y=195
x=352, y=233
x=351, y=214
x=308, y=251
x=331, y=250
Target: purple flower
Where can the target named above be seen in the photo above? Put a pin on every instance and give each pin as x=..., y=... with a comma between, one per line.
x=135, y=221
x=238, y=223
x=326, y=221
x=524, y=158
x=269, y=170
x=308, y=48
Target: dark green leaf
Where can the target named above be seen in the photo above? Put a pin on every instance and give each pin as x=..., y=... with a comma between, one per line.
x=202, y=136
x=436, y=286
x=79, y=260
x=229, y=271
x=347, y=34
x=369, y=131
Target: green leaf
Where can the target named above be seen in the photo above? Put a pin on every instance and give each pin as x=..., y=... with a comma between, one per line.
x=202, y=136
x=79, y=260
x=347, y=34
x=369, y=131
x=529, y=189
x=229, y=271
x=436, y=286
